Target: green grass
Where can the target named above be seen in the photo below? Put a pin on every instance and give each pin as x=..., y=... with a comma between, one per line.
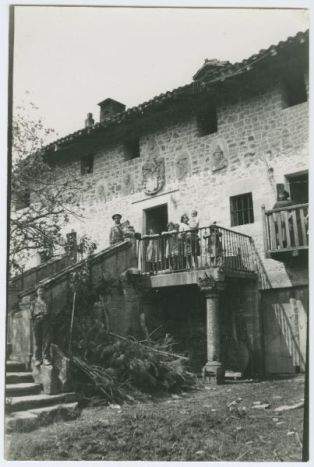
x=195, y=426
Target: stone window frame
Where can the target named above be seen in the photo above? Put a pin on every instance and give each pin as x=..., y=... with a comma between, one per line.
x=132, y=149
x=87, y=164
x=298, y=177
x=241, y=209
x=207, y=120
x=294, y=90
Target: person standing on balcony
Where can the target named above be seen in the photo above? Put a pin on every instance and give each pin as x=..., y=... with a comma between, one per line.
x=116, y=232
x=195, y=241
x=171, y=241
x=185, y=250
x=214, y=245
x=152, y=251
x=283, y=201
x=41, y=328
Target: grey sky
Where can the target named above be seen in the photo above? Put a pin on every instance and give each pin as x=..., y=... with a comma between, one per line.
x=69, y=59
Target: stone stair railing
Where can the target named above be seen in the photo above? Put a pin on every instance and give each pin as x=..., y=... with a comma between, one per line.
x=115, y=259
x=27, y=407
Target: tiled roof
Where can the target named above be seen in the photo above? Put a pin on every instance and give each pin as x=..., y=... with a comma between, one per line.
x=218, y=74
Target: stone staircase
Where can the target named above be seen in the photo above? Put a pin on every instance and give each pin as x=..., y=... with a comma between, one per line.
x=27, y=407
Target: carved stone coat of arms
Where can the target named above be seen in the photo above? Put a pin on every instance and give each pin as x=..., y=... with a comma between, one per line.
x=153, y=171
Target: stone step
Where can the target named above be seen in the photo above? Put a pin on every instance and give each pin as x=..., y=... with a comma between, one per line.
x=19, y=377
x=15, y=366
x=14, y=404
x=34, y=418
x=22, y=389
x=233, y=375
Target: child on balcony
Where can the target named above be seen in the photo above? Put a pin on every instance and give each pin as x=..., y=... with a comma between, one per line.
x=172, y=245
x=152, y=251
x=185, y=250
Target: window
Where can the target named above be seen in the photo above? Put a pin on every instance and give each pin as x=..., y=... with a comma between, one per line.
x=132, y=149
x=241, y=209
x=87, y=164
x=207, y=121
x=22, y=200
x=294, y=89
x=298, y=187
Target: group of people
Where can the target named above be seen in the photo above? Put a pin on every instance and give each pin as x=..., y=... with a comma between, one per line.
x=180, y=246
x=177, y=248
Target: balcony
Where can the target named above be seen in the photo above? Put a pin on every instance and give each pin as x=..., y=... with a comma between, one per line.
x=195, y=250
x=286, y=232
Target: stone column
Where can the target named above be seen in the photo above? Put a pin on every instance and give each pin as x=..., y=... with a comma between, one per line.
x=138, y=299
x=213, y=369
x=21, y=333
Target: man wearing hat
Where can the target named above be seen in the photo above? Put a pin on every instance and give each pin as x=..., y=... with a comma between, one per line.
x=116, y=232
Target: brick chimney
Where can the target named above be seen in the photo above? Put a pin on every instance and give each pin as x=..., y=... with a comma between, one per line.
x=108, y=108
x=89, y=121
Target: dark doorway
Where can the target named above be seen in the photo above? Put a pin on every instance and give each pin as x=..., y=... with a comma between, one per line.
x=299, y=187
x=182, y=315
x=156, y=219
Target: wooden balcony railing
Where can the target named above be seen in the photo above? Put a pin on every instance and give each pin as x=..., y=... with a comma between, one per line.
x=285, y=230
x=210, y=246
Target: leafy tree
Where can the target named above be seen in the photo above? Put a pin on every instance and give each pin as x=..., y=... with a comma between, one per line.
x=43, y=196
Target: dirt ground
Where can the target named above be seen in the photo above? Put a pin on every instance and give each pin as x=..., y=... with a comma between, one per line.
x=233, y=422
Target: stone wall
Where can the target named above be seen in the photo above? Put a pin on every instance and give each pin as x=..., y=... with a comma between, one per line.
x=261, y=142
x=121, y=305
x=285, y=315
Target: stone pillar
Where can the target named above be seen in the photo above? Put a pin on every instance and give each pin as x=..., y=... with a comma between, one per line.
x=213, y=369
x=21, y=333
x=146, y=303
x=137, y=299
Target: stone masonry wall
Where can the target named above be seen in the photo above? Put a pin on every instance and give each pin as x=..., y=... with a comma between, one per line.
x=261, y=142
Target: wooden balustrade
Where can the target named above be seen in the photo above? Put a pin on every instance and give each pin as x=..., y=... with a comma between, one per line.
x=285, y=229
x=204, y=247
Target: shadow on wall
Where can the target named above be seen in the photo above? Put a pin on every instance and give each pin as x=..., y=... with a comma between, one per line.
x=297, y=270
x=284, y=315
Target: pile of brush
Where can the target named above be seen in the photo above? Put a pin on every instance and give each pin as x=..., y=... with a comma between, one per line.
x=116, y=367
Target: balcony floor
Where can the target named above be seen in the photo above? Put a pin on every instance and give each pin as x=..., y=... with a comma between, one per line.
x=285, y=254
x=173, y=279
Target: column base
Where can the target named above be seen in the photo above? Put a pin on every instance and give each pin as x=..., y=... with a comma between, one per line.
x=213, y=372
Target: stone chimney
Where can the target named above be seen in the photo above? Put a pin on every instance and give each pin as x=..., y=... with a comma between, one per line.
x=109, y=108
x=89, y=121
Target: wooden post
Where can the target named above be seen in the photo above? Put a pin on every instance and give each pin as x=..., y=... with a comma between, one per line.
x=265, y=233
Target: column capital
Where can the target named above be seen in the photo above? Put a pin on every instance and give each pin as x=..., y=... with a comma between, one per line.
x=210, y=286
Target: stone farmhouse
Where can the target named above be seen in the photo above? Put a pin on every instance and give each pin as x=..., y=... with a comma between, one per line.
x=231, y=289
